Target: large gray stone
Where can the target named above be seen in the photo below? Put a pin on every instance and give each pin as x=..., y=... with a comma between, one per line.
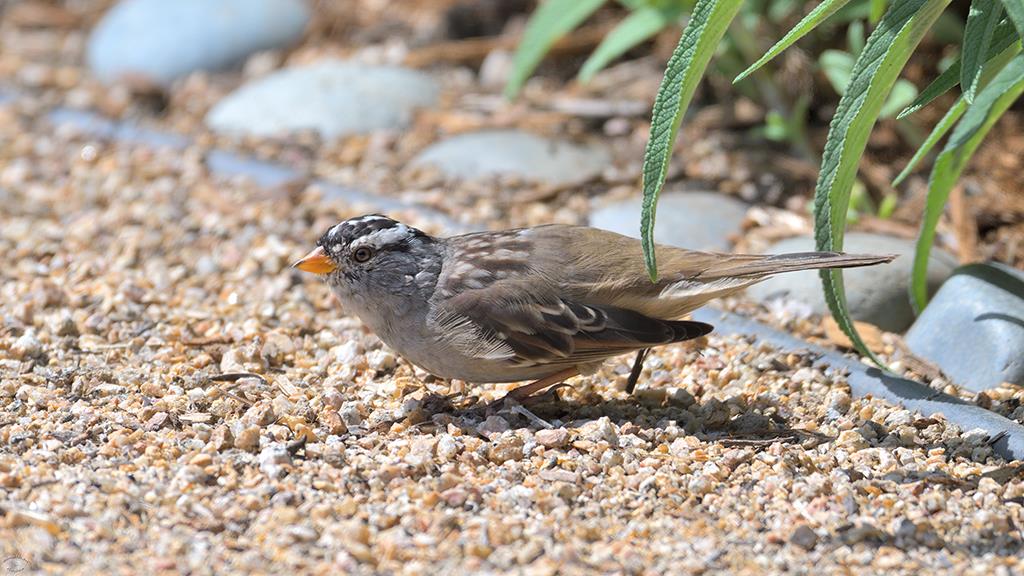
x=875, y=294
x=694, y=220
x=332, y=97
x=515, y=153
x=157, y=41
x=974, y=327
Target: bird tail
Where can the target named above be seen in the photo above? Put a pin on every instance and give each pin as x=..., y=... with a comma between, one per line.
x=757, y=267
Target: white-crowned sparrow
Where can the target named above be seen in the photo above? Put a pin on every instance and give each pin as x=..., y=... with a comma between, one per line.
x=534, y=303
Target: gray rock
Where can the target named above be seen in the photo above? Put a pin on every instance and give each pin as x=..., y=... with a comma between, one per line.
x=695, y=220
x=512, y=152
x=157, y=41
x=974, y=327
x=875, y=294
x=332, y=97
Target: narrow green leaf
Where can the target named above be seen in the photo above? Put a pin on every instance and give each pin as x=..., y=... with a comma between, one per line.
x=708, y=23
x=877, y=9
x=874, y=73
x=981, y=24
x=838, y=65
x=989, y=105
x=808, y=23
x=948, y=121
x=642, y=24
x=549, y=22
x=992, y=67
x=1015, y=10
x=1004, y=36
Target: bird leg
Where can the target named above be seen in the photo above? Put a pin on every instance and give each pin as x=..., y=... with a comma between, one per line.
x=638, y=366
x=525, y=391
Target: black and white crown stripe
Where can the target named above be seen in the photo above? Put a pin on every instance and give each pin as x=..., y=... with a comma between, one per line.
x=374, y=230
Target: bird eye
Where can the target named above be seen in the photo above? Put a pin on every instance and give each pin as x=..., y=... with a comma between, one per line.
x=362, y=254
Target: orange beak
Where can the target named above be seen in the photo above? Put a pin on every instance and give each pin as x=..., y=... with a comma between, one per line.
x=316, y=262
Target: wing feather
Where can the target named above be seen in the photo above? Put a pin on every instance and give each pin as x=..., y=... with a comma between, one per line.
x=553, y=330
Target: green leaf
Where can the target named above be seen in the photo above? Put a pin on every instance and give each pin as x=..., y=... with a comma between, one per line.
x=903, y=92
x=855, y=37
x=877, y=9
x=992, y=67
x=948, y=29
x=838, y=66
x=989, y=105
x=808, y=23
x=1015, y=10
x=981, y=24
x=952, y=115
x=888, y=206
x=1004, y=37
x=708, y=23
x=549, y=22
x=642, y=24
x=874, y=73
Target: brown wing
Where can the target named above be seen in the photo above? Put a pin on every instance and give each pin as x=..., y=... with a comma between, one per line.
x=597, y=267
x=552, y=331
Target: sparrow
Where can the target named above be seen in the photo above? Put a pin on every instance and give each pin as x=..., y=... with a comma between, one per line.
x=544, y=303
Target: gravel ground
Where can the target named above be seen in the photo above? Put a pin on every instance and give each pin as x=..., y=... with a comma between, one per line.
x=176, y=399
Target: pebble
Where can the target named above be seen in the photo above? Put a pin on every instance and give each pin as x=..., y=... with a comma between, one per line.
x=695, y=220
x=875, y=294
x=351, y=414
x=248, y=439
x=698, y=485
x=273, y=460
x=155, y=41
x=333, y=422
x=108, y=389
x=158, y=421
x=508, y=447
x=552, y=438
x=454, y=496
x=851, y=440
x=221, y=439
x=447, y=447
x=347, y=353
x=332, y=97
x=804, y=537
x=27, y=347
x=381, y=360
x=973, y=329
x=838, y=402
x=485, y=154
x=334, y=454
x=862, y=531
x=492, y=426
x=276, y=346
x=260, y=415
x=421, y=453
x=64, y=325
x=600, y=430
